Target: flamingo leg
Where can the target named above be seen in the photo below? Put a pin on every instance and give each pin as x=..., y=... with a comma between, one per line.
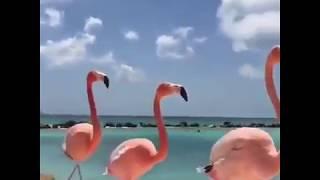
x=79, y=172
x=74, y=169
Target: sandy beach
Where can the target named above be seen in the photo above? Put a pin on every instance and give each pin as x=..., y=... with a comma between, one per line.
x=46, y=177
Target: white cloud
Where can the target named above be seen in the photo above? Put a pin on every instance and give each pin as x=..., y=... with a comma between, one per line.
x=92, y=23
x=172, y=47
x=131, y=35
x=107, y=58
x=167, y=47
x=66, y=51
x=250, y=24
x=53, y=17
x=189, y=50
x=168, y=41
x=183, y=31
x=122, y=71
x=74, y=49
x=175, y=46
x=70, y=50
x=200, y=40
x=248, y=71
x=128, y=73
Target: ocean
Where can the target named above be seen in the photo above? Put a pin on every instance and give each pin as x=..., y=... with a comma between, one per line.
x=188, y=149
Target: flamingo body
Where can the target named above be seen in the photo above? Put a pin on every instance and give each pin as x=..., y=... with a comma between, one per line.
x=139, y=150
x=77, y=142
x=245, y=154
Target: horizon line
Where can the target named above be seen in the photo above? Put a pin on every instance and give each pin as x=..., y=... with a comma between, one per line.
x=196, y=116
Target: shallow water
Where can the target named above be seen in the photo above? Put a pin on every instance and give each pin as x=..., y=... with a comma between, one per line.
x=188, y=149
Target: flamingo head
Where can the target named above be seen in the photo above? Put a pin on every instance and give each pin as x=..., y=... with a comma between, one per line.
x=167, y=89
x=275, y=54
x=98, y=76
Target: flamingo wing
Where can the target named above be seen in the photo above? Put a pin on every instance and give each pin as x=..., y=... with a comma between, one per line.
x=77, y=141
x=121, y=149
x=131, y=144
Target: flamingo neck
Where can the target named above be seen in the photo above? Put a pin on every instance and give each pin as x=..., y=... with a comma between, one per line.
x=163, y=149
x=277, y=161
x=93, y=116
x=271, y=87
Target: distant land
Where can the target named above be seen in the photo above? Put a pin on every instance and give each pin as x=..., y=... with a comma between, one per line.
x=171, y=121
x=147, y=116
x=182, y=124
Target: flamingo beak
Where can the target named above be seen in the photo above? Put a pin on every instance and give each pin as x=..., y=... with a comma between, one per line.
x=205, y=169
x=208, y=168
x=183, y=93
x=106, y=81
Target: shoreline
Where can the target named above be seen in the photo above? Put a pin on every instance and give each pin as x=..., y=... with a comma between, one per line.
x=182, y=124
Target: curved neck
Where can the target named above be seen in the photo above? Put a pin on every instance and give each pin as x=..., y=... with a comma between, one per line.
x=271, y=87
x=277, y=160
x=93, y=116
x=164, y=145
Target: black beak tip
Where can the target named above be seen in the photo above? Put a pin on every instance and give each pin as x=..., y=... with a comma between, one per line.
x=184, y=94
x=106, y=81
x=208, y=168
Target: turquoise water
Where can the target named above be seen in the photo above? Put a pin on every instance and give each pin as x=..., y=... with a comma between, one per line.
x=188, y=149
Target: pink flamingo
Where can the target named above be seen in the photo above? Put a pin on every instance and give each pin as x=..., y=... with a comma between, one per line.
x=248, y=153
x=83, y=139
x=135, y=157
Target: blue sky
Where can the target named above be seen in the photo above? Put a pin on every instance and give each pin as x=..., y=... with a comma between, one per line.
x=216, y=49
